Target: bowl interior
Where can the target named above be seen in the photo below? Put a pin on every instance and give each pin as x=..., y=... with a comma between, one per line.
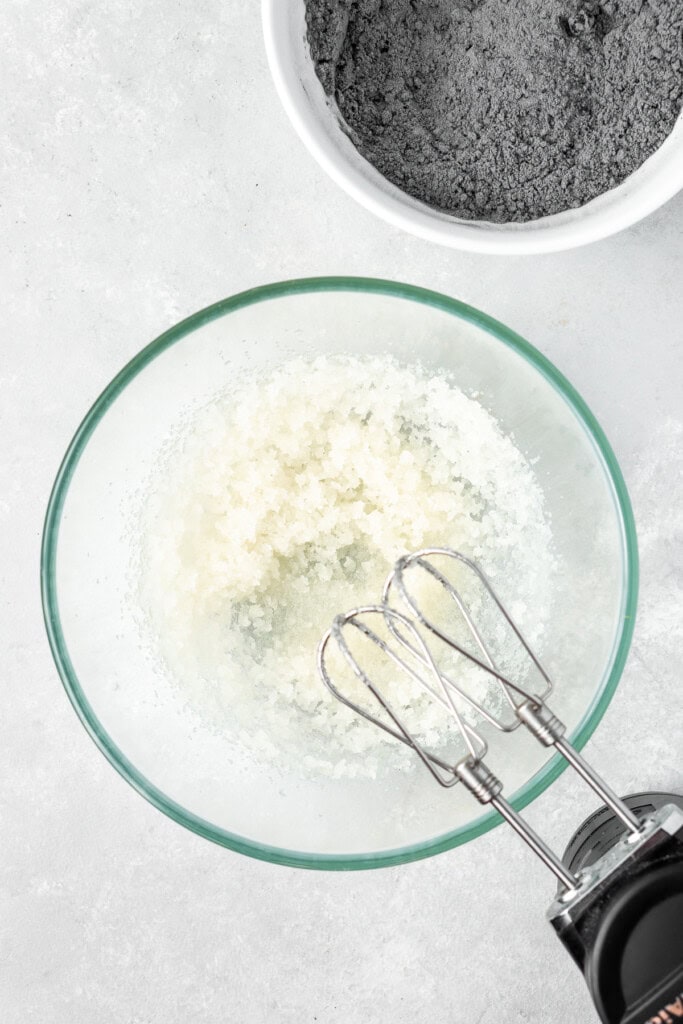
x=144, y=722
x=317, y=121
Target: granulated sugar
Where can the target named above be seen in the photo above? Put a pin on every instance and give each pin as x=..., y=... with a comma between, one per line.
x=502, y=110
x=286, y=501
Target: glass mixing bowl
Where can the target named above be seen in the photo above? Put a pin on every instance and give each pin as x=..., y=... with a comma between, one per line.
x=144, y=724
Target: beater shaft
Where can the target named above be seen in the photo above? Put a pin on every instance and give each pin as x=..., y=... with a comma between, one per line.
x=534, y=841
x=484, y=785
x=598, y=785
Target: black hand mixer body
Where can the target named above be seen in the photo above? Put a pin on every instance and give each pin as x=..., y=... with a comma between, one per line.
x=626, y=931
x=619, y=906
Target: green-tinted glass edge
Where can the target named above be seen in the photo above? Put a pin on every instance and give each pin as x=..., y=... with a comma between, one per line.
x=331, y=862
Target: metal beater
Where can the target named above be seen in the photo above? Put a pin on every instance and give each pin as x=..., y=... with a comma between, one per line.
x=619, y=907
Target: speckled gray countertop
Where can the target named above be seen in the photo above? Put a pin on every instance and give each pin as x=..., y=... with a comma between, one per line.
x=146, y=171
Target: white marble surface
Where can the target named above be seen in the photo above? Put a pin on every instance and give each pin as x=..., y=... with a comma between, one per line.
x=146, y=171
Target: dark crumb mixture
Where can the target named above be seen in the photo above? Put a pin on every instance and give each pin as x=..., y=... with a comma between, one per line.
x=502, y=110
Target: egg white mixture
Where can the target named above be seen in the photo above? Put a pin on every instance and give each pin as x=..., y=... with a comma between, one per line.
x=287, y=500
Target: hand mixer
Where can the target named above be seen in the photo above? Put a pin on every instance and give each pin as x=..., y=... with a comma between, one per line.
x=619, y=905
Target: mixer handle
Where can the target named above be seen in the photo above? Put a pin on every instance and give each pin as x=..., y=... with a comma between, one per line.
x=634, y=969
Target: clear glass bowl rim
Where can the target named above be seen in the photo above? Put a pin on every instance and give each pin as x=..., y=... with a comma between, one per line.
x=333, y=862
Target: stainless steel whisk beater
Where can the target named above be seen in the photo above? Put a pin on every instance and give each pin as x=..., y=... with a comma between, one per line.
x=626, y=872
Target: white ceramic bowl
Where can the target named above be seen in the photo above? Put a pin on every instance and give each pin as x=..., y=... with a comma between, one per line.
x=317, y=122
